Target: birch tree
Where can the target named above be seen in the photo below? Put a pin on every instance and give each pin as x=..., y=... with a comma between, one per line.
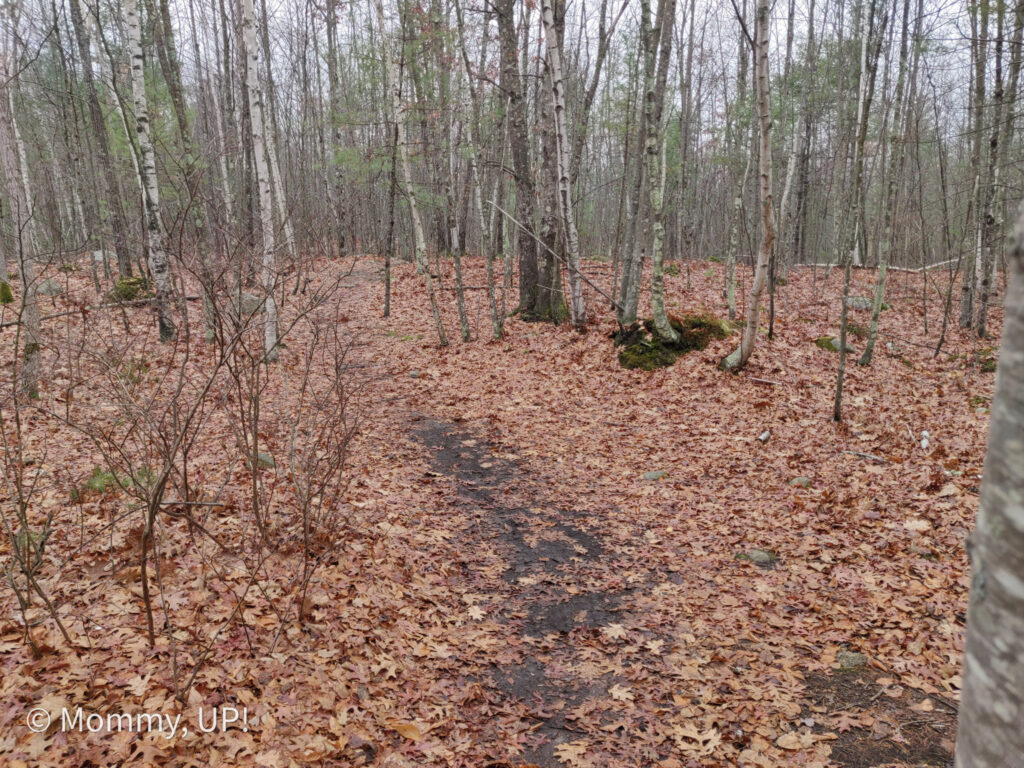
x=19, y=198
x=577, y=310
x=992, y=698
x=738, y=359
x=254, y=94
x=159, y=265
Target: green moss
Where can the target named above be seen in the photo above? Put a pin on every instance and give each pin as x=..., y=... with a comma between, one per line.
x=642, y=348
x=858, y=330
x=68, y=267
x=715, y=259
x=978, y=401
x=671, y=269
x=986, y=358
x=6, y=295
x=781, y=281
x=129, y=289
x=825, y=342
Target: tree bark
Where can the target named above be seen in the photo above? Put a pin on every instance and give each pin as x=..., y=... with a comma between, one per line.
x=254, y=95
x=159, y=265
x=577, y=310
x=992, y=698
x=738, y=359
x=98, y=127
x=525, y=208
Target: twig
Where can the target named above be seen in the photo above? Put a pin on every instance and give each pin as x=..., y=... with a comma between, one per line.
x=765, y=381
x=869, y=456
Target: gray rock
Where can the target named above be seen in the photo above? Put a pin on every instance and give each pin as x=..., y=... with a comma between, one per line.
x=761, y=557
x=860, y=303
x=655, y=475
x=849, y=661
x=251, y=304
x=836, y=344
x=50, y=287
x=415, y=374
x=803, y=482
x=99, y=256
x=263, y=461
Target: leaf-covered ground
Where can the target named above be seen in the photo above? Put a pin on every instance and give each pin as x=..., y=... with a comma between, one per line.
x=547, y=559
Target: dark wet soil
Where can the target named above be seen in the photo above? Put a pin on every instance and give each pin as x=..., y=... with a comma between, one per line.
x=546, y=552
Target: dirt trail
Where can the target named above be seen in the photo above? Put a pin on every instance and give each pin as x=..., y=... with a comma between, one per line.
x=548, y=553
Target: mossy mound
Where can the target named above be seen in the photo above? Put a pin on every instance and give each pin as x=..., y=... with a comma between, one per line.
x=6, y=295
x=642, y=348
x=129, y=289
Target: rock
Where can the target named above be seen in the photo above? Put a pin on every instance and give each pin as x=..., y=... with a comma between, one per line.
x=761, y=557
x=263, y=461
x=251, y=304
x=849, y=661
x=860, y=303
x=414, y=374
x=100, y=256
x=803, y=482
x=655, y=475
x=50, y=287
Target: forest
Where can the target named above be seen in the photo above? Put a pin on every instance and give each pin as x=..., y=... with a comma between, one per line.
x=511, y=383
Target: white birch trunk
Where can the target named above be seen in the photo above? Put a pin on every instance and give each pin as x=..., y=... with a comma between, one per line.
x=738, y=359
x=159, y=266
x=254, y=94
x=577, y=309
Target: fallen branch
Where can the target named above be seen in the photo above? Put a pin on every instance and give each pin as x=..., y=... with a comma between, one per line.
x=868, y=456
x=93, y=308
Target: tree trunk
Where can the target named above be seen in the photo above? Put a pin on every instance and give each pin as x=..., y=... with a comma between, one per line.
x=398, y=115
x=992, y=698
x=159, y=266
x=254, y=94
x=512, y=87
x=98, y=127
x=738, y=359
x=22, y=227
x=577, y=310
x=897, y=153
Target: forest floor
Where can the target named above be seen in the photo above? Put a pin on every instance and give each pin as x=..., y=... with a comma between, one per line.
x=554, y=561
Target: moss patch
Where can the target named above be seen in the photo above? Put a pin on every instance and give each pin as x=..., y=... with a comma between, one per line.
x=986, y=357
x=641, y=347
x=129, y=289
x=825, y=342
x=6, y=295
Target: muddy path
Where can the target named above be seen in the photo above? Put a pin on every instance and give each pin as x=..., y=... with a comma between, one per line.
x=551, y=613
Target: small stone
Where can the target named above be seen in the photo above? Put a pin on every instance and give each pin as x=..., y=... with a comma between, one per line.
x=414, y=374
x=263, y=461
x=803, y=482
x=860, y=303
x=850, y=661
x=50, y=287
x=836, y=343
x=655, y=475
x=761, y=557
